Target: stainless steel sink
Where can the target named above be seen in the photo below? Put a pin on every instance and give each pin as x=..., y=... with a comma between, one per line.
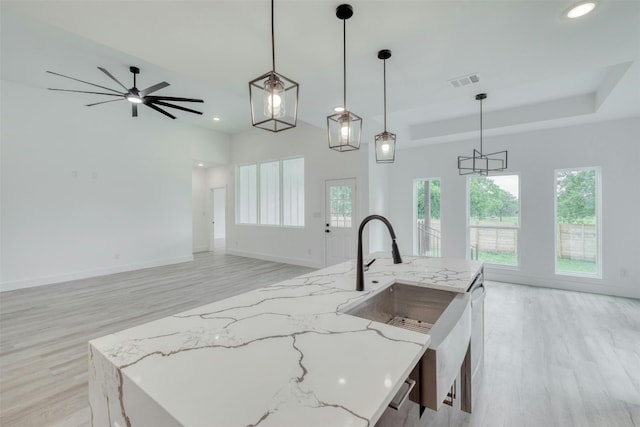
x=406, y=306
x=445, y=316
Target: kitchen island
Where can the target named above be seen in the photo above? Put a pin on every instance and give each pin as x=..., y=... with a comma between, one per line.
x=282, y=355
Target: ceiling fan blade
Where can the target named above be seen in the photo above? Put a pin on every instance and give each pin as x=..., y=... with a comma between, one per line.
x=112, y=78
x=153, y=88
x=166, y=104
x=84, y=91
x=104, y=102
x=172, y=98
x=160, y=110
x=134, y=110
x=82, y=81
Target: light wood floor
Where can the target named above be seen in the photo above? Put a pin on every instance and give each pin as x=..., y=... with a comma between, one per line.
x=44, y=330
x=553, y=358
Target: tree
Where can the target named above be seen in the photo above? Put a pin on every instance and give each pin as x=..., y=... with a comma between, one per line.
x=486, y=199
x=576, y=196
x=434, y=198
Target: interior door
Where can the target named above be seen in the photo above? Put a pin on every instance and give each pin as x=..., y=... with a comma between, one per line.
x=218, y=223
x=340, y=220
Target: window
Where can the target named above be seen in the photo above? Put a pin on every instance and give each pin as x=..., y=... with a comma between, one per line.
x=247, y=195
x=577, y=220
x=340, y=197
x=494, y=219
x=293, y=192
x=426, y=214
x=271, y=193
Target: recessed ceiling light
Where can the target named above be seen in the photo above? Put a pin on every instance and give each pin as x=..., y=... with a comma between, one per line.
x=580, y=9
x=216, y=119
x=338, y=109
x=201, y=165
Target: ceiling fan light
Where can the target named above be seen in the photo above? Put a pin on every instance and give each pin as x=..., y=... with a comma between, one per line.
x=580, y=9
x=134, y=99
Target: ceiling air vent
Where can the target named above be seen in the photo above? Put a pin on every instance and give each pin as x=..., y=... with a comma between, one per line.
x=464, y=80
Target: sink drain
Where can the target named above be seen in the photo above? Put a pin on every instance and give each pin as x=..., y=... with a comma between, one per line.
x=410, y=324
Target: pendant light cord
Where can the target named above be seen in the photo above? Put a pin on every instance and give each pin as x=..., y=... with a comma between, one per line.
x=344, y=62
x=480, y=126
x=384, y=74
x=273, y=42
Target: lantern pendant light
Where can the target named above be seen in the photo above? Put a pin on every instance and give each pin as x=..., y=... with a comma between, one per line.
x=385, y=141
x=344, y=128
x=480, y=163
x=273, y=97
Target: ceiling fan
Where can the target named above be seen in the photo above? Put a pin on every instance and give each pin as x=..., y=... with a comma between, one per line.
x=134, y=95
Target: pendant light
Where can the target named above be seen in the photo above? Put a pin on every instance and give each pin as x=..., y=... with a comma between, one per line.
x=480, y=163
x=344, y=128
x=273, y=97
x=385, y=141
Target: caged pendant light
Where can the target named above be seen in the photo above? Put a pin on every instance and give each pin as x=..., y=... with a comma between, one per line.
x=273, y=97
x=385, y=141
x=480, y=163
x=344, y=128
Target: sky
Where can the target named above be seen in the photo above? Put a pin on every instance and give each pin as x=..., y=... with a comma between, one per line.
x=508, y=183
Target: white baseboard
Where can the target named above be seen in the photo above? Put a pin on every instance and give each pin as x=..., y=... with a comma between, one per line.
x=84, y=274
x=567, y=283
x=201, y=249
x=285, y=260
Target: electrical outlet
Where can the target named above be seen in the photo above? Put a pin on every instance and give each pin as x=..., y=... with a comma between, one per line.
x=116, y=256
x=309, y=251
x=74, y=174
x=623, y=272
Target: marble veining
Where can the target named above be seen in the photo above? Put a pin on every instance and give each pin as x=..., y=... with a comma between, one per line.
x=282, y=355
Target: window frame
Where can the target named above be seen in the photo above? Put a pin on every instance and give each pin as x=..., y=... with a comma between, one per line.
x=237, y=193
x=415, y=212
x=598, y=199
x=258, y=165
x=517, y=228
x=304, y=195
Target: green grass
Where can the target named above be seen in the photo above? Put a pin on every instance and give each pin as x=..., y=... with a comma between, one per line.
x=500, y=258
x=563, y=264
x=575, y=266
x=506, y=220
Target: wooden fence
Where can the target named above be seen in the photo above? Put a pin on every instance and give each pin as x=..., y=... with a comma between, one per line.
x=578, y=241
x=575, y=241
x=496, y=240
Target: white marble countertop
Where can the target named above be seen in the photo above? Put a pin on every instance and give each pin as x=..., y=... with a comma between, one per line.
x=283, y=355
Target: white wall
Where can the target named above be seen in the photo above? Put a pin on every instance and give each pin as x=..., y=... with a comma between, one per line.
x=91, y=191
x=303, y=246
x=199, y=201
x=615, y=146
